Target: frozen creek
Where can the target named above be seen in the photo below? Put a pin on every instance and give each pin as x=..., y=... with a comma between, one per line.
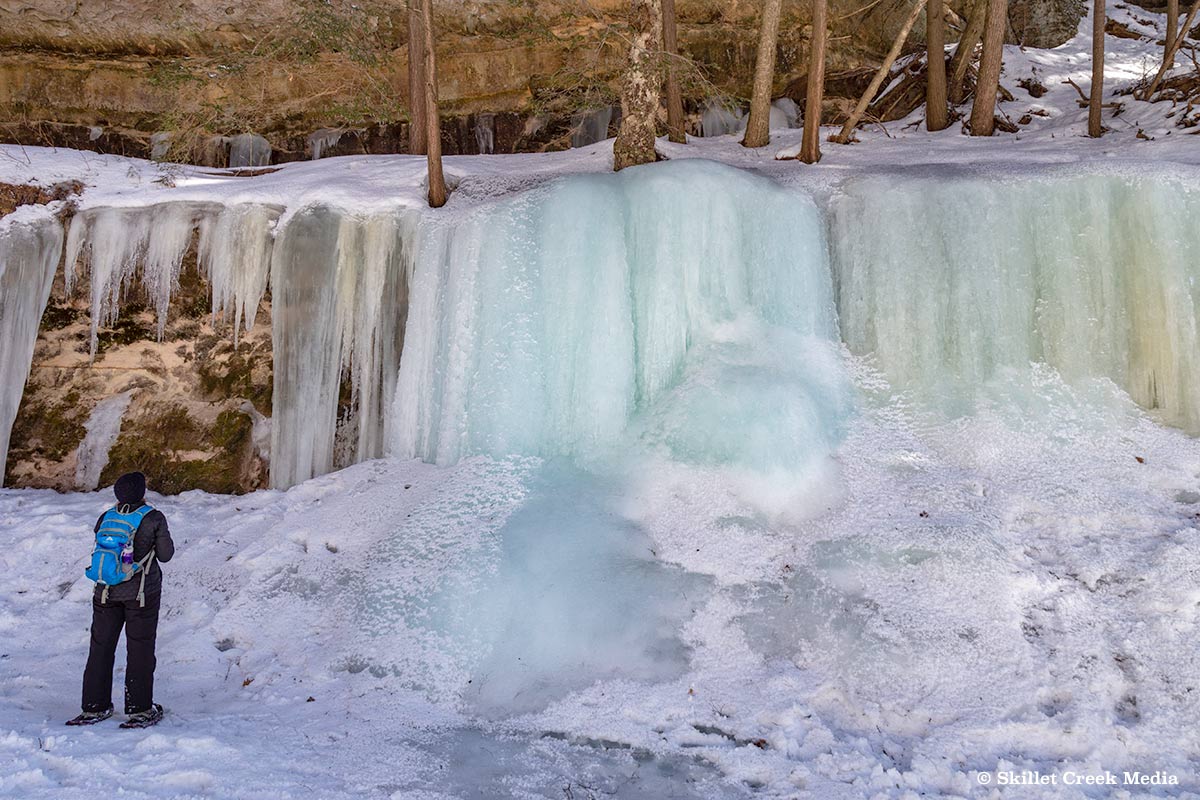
x=700, y=484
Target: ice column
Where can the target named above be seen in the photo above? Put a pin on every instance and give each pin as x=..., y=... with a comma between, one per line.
x=337, y=307
x=485, y=133
x=29, y=254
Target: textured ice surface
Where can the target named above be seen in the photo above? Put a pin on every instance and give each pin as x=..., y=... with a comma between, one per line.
x=719, y=119
x=29, y=253
x=948, y=282
x=690, y=293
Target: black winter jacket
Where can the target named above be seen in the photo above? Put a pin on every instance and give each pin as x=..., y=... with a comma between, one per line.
x=152, y=533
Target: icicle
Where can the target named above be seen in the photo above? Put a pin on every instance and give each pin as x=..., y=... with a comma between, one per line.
x=29, y=254
x=170, y=237
x=338, y=308
x=590, y=127
x=322, y=140
x=109, y=243
x=113, y=243
x=235, y=253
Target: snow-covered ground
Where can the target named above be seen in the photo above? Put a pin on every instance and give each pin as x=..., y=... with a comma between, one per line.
x=954, y=597
x=1004, y=591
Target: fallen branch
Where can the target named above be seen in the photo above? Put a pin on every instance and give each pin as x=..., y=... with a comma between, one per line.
x=1073, y=84
x=884, y=70
x=1169, y=56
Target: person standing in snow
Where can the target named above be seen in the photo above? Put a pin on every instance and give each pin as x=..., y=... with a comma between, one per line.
x=131, y=601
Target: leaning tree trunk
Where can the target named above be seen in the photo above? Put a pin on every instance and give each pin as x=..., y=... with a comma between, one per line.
x=983, y=110
x=1169, y=56
x=758, y=127
x=1096, y=101
x=639, y=93
x=965, y=52
x=867, y=96
x=433, y=124
x=936, y=117
x=416, y=80
x=674, y=97
x=810, y=146
x=1172, y=24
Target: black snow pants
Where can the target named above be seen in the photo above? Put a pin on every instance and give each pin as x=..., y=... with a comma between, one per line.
x=141, y=628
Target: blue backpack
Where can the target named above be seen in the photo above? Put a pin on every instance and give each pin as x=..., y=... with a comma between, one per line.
x=112, y=558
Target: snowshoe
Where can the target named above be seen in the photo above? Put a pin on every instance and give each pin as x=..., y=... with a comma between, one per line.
x=144, y=719
x=91, y=717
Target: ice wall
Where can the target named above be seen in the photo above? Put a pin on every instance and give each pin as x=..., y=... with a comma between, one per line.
x=29, y=254
x=690, y=293
x=249, y=150
x=947, y=282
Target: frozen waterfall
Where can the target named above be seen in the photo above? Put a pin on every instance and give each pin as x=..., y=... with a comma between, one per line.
x=542, y=324
x=684, y=309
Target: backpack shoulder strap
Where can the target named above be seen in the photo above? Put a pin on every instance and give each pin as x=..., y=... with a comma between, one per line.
x=145, y=565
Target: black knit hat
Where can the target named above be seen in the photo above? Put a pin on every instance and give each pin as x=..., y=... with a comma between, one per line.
x=130, y=488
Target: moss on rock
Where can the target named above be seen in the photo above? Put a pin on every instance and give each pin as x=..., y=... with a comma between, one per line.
x=163, y=440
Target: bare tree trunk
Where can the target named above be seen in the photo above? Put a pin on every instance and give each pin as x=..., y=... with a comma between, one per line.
x=880, y=74
x=983, y=110
x=1096, y=102
x=936, y=117
x=810, y=147
x=758, y=127
x=416, y=80
x=639, y=93
x=965, y=52
x=1169, y=56
x=1172, y=23
x=433, y=123
x=674, y=97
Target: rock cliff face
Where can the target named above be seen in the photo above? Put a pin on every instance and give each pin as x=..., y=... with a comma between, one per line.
x=329, y=76
x=193, y=408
